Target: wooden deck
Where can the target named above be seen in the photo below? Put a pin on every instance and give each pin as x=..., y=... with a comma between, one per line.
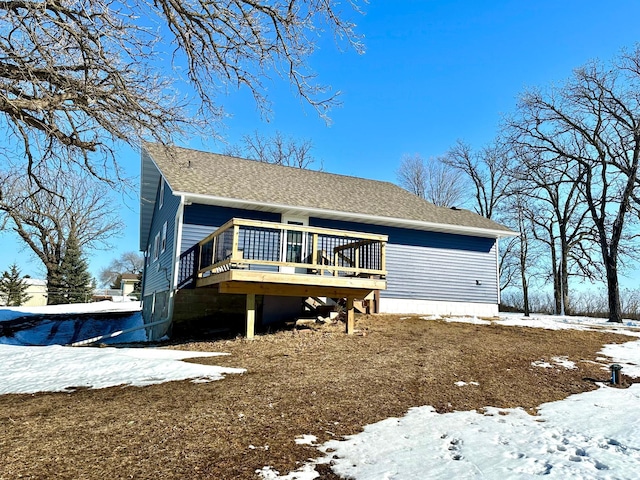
x=267, y=258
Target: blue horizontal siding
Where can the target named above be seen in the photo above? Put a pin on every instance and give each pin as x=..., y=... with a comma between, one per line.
x=421, y=265
x=202, y=220
x=424, y=265
x=417, y=238
x=423, y=273
x=213, y=216
x=157, y=275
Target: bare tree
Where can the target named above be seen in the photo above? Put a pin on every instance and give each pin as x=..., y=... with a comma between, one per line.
x=509, y=261
x=277, y=149
x=519, y=204
x=432, y=179
x=488, y=171
x=593, y=123
x=128, y=262
x=560, y=220
x=70, y=205
x=78, y=77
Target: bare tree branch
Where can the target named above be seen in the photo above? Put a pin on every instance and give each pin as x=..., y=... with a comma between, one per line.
x=77, y=78
x=433, y=179
x=592, y=124
x=45, y=219
x=277, y=149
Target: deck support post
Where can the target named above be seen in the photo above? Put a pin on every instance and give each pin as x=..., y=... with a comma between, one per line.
x=376, y=302
x=251, y=315
x=351, y=321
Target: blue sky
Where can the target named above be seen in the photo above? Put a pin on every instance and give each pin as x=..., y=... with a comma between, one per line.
x=433, y=72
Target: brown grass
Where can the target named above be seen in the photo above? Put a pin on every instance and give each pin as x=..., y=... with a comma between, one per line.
x=321, y=382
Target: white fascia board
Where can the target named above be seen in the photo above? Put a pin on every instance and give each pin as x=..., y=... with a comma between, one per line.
x=371, y=219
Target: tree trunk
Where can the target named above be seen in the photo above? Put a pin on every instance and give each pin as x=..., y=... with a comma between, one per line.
x=523, y=276
x=525, y=295
x=557, y=298
x=564, y=274
x=613, y=291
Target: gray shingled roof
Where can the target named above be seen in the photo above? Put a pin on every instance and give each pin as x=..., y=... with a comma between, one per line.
x=196, y=172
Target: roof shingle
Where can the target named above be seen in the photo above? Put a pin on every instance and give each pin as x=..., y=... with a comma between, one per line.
x=215, y=175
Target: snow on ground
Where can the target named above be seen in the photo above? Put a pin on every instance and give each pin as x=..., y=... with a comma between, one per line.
x=10, y=313
x=581, y=437
x=592, y=435
x=557, y=322
x=557, y=361
x=27, y=368
x=57, y=369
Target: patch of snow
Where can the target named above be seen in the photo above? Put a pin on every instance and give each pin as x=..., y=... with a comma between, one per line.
x=306, y=440
x=58, y=369
x=307, y=472
x=592, y=435
x=558, y=322
x=462, y=384
x=541, y=364
x=473, y=320
x=563, y=362
x=627, y=355
x=10, y=313
x=584, y=436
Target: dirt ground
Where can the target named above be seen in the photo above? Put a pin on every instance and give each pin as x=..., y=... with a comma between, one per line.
x=318, y=382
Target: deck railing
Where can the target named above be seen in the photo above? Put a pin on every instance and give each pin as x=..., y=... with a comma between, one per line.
x=188, y=267
x=286, y=248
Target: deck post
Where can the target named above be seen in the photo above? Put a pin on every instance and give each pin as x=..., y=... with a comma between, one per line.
x=236, y=241
x=314, y=249
x=251, y=315
x=351, y=321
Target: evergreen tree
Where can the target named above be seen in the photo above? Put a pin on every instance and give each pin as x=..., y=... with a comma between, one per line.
x=75, y=274
x=117, y=282
x=137, y=289
x=13, y=287
x=56, y=289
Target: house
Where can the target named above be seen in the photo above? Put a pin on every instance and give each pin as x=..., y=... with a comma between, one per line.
x=128, y=283
x=228, y=238
x=37, y=291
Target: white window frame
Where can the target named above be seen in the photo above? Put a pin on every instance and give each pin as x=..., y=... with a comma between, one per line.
x=163, y=240
x=156, y=247
x=161, y=196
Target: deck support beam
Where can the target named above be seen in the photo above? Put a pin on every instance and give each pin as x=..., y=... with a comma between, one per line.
x=351, y=321
x=251, y=316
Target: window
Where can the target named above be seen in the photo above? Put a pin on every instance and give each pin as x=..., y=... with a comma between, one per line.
x=161, y=196
x=147, y=255
x=163, y=242
x=156, y=247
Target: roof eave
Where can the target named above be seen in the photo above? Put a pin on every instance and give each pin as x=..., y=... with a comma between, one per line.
x=323, y=213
